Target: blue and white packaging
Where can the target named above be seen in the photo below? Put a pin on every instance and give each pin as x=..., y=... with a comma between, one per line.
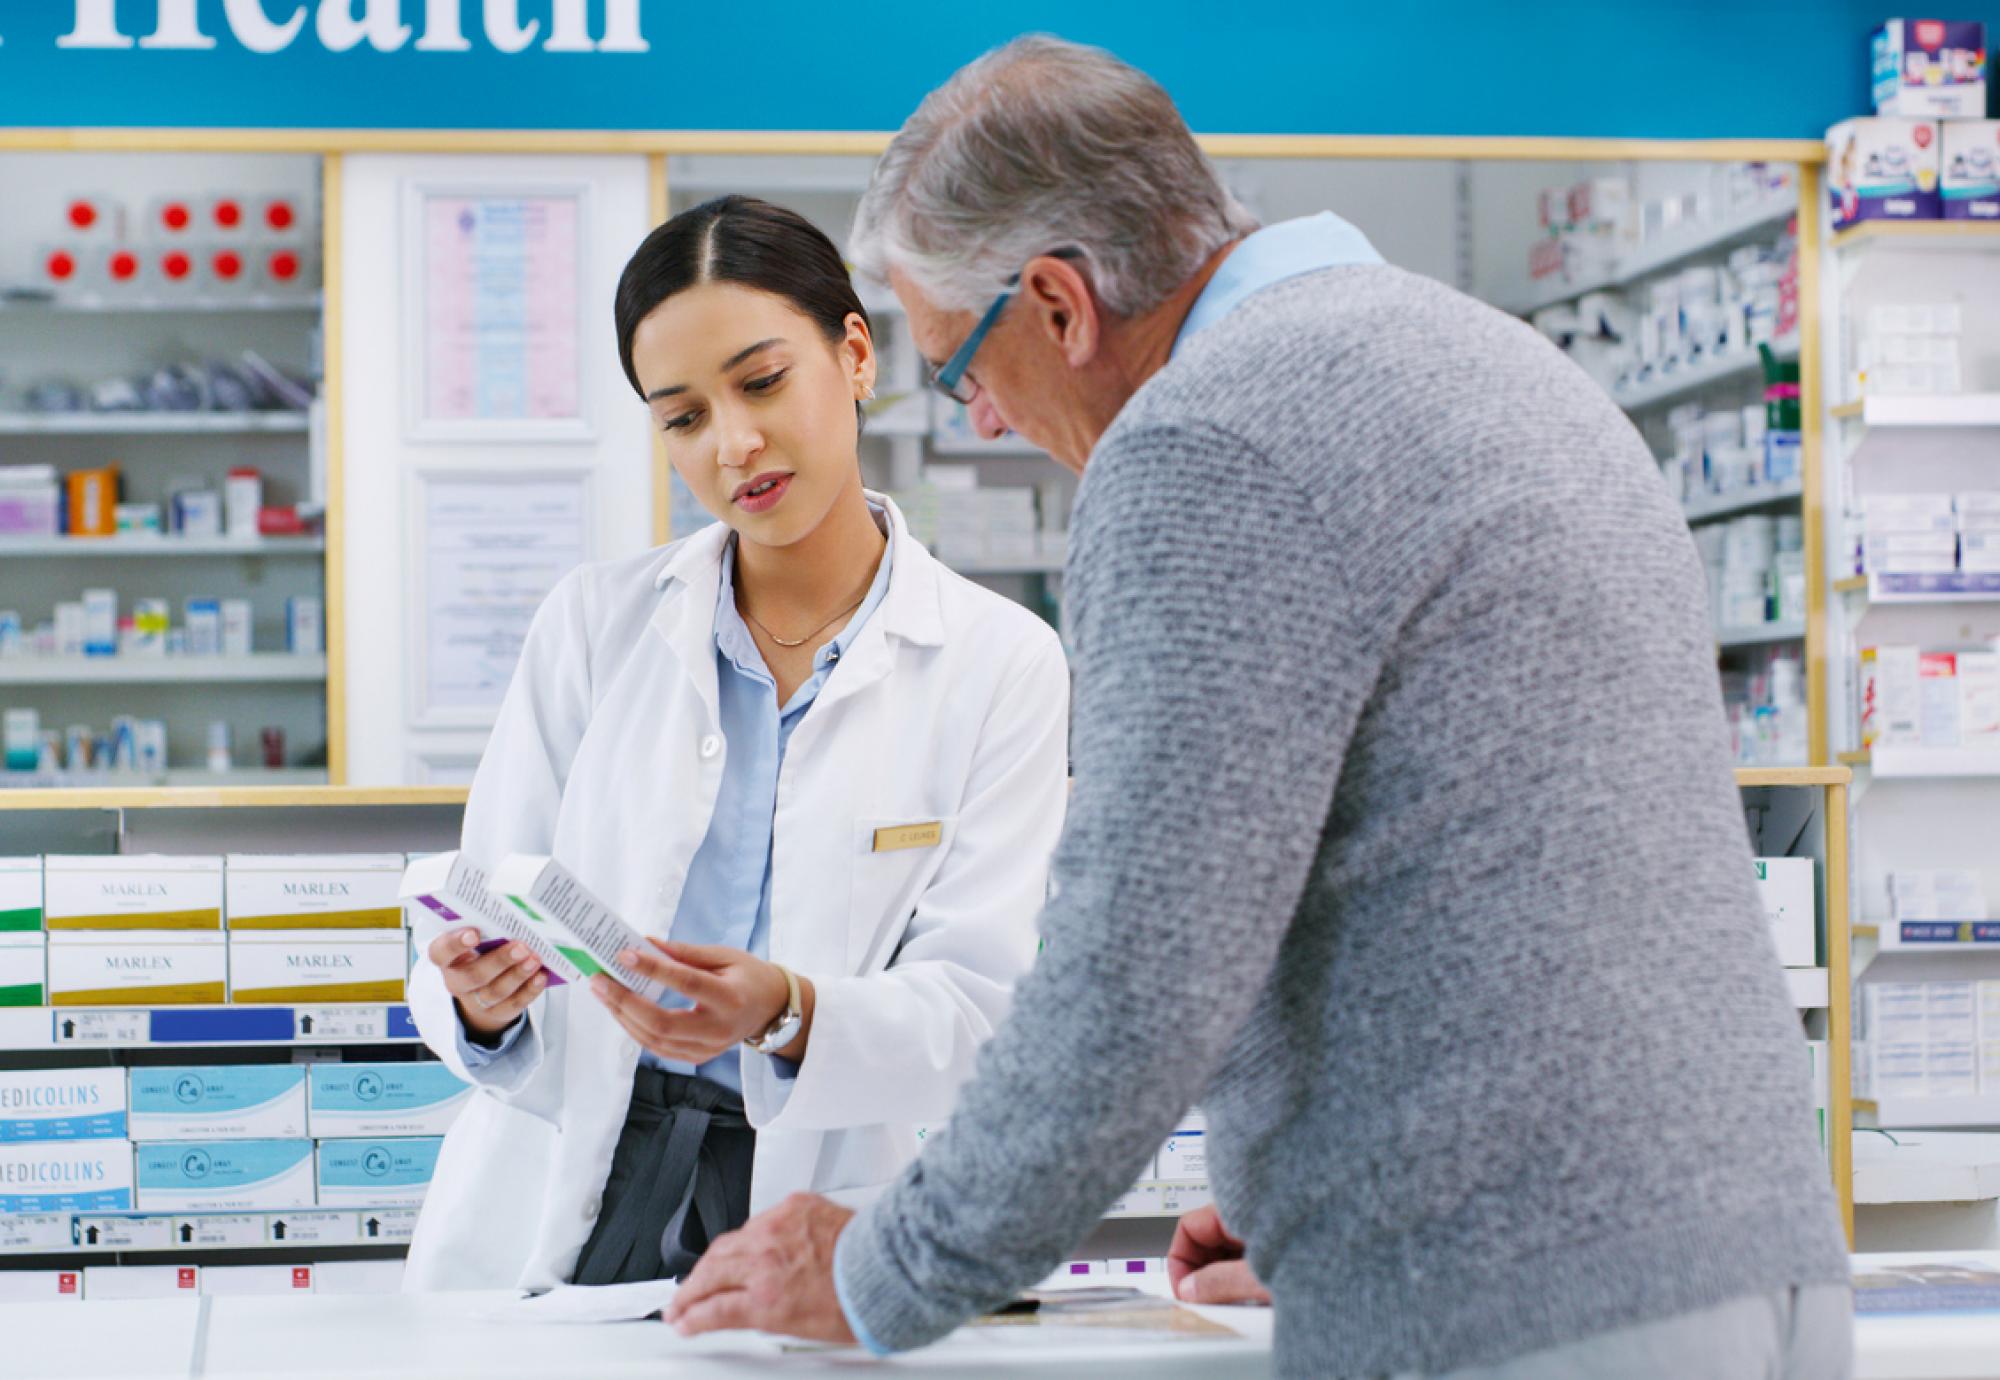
x=376, y=1173
x=62, y=1104
x=1883, y=169
x=225, y=1175
x=1184, y=1156
x=1929, y=68
x=225, y=1102
x=1971, y=170
x=402, y=1099
x=66, y=1176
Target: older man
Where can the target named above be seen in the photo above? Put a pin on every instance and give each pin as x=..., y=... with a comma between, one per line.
x=1403, y=836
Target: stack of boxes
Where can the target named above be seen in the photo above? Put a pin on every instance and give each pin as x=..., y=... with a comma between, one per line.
x=1928, y=1039
x=1912, y=698
x=1905, y=349
x=1928, y=153
x=1929, y=543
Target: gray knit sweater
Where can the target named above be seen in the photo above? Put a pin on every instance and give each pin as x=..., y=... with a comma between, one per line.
x=1404, y=841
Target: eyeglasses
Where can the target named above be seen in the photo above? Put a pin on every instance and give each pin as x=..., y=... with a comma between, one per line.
x=951, y=379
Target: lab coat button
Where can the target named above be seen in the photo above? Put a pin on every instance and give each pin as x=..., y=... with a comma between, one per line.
x=710, y=746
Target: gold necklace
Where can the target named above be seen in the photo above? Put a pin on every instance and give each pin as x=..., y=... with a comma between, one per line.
x=809, y=636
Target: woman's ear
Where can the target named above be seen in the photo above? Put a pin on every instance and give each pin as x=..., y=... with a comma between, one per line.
x=857, y=356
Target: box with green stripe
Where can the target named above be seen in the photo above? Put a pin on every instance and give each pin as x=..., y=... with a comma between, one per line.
x=20, y=894
x=24, y=969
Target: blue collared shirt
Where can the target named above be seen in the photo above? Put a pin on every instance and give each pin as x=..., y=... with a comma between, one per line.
x=1271, y=255
x=726, y=899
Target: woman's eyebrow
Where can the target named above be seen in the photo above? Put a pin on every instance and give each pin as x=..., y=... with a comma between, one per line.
x=727, y=365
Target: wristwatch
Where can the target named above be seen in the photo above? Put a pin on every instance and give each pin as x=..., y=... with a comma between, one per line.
x=785, y=1029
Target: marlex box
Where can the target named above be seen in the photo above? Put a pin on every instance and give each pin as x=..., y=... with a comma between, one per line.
x=317, y=965
x=137, y=968
x=132, y=892
x=314, y=892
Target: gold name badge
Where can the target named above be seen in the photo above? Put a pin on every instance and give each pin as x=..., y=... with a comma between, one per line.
x=909, y=836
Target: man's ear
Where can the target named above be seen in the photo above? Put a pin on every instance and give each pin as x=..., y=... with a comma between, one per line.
x=1065, y=310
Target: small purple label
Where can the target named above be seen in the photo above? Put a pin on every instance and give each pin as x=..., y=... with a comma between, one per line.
x=440, y=907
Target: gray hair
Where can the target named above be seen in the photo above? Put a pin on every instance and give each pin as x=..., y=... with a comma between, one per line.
x=1037, y=146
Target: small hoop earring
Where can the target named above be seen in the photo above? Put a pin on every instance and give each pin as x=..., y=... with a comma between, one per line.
x=868, y=393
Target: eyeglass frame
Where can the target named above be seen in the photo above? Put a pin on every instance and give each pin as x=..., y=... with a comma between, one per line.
x=948, y=378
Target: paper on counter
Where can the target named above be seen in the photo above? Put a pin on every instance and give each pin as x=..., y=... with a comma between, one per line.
x=591, y=1303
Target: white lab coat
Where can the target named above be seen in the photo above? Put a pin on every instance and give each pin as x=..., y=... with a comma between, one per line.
x=951, y=705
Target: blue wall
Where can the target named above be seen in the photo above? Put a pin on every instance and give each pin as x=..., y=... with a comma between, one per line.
x=1658, y=69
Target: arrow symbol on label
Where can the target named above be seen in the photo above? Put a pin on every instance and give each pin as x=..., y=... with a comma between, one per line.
x=91, y=1235
x=187, y=1232
x=305, y=1025
x=374, y=1227
x=278, y=1230
x=69, y=1030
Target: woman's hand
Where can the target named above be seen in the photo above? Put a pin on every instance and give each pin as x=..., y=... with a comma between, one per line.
x=736, y=997
x=1206, y=1265
x=491, y=989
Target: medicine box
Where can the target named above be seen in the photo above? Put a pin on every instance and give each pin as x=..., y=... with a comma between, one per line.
x=1950, y=1069
x=1950, y=1015
x=1184, y=1155
x=1971, y=170
x=1883, y=169
x=1786, y=886
x=1899, y=1069
x=584, y=930
x=223, y=1281
x=1989, y=1067
x=318, y=892
x=144, y=892
x=102, y=1282
x=1934, y=68
x=20, y=894
x=317, y=965
x=358, y=1277
x=376, y=1172
x=219, y=1102
x=137, y=968
x=24, y=967
x=453, y=890
x=66, y=1176
x=62, y=1104
x=224, y=1175
x=41, y=1286
x=1989, y=1009
x=399, y=1099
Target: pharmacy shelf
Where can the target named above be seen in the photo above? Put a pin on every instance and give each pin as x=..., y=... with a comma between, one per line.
x=1925, y=236
x=37, y=303
x=153, y=544
x=1669, y=251
x=1763, y=635
x=1932, y=1111
x=1160, y=1198
x=1912, y=763
x=1931, y=936
x=1959, y=587
x=148, y=423
x=1746, y=501
x=1808, y=987
x=137, y=1027
x=265, y=667
x=1934, y=410
x=1926, y=1167
x=172, y=777
x=1692, y=378
x=85, y=1233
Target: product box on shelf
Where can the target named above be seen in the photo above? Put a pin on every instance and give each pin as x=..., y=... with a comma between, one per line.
x=102, y=1282
x=132, y=892
x=41, y=1286
x=452, y=888
x=1932, y=68
x=1971, y=170
x=219, y=1102
x=317, y=965
x=1184, y=1156
x=66, y=1176
x=586, y=931
x=376, y=1172
x=20, y=894
x=357, y=1276
x=218, y=1281
x=24, y=969
x=314, y=892
x=224, y=1175
x=1891, y=711
x=410, y=1098
x=62, y=1104
x=137, y=968
x=1882, y=169
x=1786, y=886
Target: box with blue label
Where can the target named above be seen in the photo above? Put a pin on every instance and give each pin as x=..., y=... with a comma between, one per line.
x=376, y=1173
x=66, y=1176
x=20, y=894
x=1971, y=174
x=1930, y=68
x=225, y=1102
x=62, y=1104
x=1883, y=169
x=1184, y=1156
x=225, y=1175
x=402, y=1099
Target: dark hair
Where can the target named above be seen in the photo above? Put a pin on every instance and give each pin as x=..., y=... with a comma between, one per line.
x=736, y=239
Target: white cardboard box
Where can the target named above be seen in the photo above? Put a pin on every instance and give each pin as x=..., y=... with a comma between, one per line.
x=20, y=894
x=225, y=1175
x=376, y=1172
x=101, y=1282
x=132, y=892
x=585, y=929
x=24, y=969
x=314, y=891
x=62, y=1104
x=451, y=890
x=222, y=1281
x=411, y=1098
x=357, y=1276
x=137, y=967
x=66, y=1176
x=40, y=1286
x=317, y=965
x=1786, y=886
x=218, y=1102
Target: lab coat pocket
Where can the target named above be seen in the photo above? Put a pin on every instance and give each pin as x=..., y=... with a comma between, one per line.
x=895, y=860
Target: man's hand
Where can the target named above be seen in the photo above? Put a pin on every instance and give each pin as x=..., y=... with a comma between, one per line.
x=773, y=1275
x=1206, y=1265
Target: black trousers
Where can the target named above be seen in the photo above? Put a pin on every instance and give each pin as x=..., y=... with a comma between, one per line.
x=680, y=1177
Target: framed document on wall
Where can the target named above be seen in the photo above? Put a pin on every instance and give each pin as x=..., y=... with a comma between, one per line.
x=494, y=306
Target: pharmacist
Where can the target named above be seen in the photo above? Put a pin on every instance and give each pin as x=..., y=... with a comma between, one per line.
x=827, y=769
x=1404, y=839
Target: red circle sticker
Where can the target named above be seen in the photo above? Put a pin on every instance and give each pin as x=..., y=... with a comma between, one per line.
x=284, y=265
x=176, y=265
x=228, y=214
x=61, y=265
x=278, y=215
x=82, y=214
x=1922, y=134
x=175, y=216
x=124, y=265
x=228, y=264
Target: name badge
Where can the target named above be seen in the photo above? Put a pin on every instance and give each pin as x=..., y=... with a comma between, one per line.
x=909, y=836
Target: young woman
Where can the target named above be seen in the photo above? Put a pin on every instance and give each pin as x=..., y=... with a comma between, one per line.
x=826, y=772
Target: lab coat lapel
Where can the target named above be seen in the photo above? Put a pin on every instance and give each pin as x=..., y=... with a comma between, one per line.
x=690, y=582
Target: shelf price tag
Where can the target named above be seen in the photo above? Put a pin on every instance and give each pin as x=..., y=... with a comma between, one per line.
x=388, y=1224
x=102, y=1027
x=219, y=1230
x=42, y=1232
x=126, y=1233
x=315, y=1228
x=1177, y=1198
x=333, y=1023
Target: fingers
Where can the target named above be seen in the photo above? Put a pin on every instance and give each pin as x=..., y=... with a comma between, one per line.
x=723, y=1268
x=710, y=956
x=512, y=986
x=1227, y=1281
x=470, y=974
x=694, y=983
x=1203, y=1228
x=452, y=945
x=686, y=1036
x=728, y=1312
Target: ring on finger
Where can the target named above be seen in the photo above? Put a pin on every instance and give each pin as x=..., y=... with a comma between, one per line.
x=484, y=1004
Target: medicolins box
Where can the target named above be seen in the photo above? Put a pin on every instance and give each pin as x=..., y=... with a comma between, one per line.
x=376, y=1172
x=132, y=893
x=357, y=891
x=24, y=969
x=453, y=889
x=1970, y=176
x=20, y=894
x=584, y=930
x=317, y=965
x=62, y=1104
x=137, y=968
x=1786, y=888
x=225, y=1175
x=66, y=1176
x=1883, y=169
x=221, y=1102
x=1933, y=68
x=402, y=1099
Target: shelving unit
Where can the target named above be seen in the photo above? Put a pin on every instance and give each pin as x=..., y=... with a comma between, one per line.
x=1944, y=410
x=1922, y=763
x=264, y=667
x=104, y=1233
x=1692, y=378
x=1744, y=501
x=139, y=1027
x=98, y=304
x=1761, y=636
x=1667, y=252
x=150, y=423
x=1926, y=1167
x=140, y=545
